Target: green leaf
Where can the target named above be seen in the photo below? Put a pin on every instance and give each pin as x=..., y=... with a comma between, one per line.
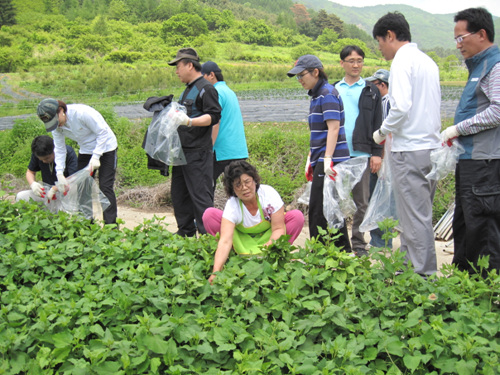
x=411, y=361
x=108, y=368
x=154, y=343
x=62, y=339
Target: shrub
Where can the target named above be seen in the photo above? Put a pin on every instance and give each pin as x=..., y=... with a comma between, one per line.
x=123, y=56
x=81, y=298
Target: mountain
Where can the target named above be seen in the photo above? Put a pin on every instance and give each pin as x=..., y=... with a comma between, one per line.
x=428, y=30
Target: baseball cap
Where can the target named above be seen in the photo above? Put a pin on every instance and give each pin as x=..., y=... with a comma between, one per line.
x=209, y=67
x=305, y=62
x=381, y=75
x=47, y=112
x=184, y=53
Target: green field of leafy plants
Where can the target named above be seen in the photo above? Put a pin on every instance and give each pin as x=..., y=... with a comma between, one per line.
x=80, y=299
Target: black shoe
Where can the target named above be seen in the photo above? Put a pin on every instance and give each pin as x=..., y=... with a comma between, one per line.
x=361, y=253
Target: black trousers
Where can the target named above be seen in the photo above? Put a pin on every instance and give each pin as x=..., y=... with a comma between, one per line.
x=107, y=175
x=316, y=216
x=192, y=191
x=476, y=222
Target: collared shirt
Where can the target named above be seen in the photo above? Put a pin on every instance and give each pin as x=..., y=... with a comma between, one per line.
x=48, y=171
x=415, y=93
x=88, y=128
x=231, y=142
x=350, y=97
x=326, y=104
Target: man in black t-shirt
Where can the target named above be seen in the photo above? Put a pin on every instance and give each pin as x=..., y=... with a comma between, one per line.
x=42, y=159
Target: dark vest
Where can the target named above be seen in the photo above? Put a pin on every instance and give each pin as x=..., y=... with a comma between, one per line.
x=485, y=144
x=196, y=137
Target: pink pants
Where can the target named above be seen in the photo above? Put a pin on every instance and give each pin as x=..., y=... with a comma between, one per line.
x=294, y=222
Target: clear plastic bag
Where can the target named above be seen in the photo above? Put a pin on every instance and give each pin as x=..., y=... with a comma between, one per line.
x=304, y=198
x=163, y=142
x=337, y=200
x=82, y=198
x=382, y=203
x=444, y=160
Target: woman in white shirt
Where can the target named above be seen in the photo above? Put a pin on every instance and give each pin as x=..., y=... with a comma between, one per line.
x=254, y=215
x=96, y=140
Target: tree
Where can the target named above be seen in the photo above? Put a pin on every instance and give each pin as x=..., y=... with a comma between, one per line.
x=184, y=24
x=7, y=13
x=300, y=14
x=324, y=20
x=118, y=10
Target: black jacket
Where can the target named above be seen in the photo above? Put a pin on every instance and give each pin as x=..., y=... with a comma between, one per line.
x=369, y=120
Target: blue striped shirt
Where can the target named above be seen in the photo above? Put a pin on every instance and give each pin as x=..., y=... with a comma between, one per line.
x=326, y=104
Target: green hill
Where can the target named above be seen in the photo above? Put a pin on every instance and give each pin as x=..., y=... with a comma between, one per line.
x=428, y=30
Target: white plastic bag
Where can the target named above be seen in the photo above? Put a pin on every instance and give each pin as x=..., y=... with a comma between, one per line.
x=83, y=196
x=163, y=142
x=382, y=203
x=304, y=198
x=337, y=201
x=444, y=160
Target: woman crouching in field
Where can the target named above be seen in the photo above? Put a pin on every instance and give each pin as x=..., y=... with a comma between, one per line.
x=253, y=217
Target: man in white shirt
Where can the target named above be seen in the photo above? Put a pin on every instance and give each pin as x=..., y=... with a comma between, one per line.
x=415, y=123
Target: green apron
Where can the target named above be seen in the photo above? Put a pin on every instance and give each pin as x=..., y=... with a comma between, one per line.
x=248, y=241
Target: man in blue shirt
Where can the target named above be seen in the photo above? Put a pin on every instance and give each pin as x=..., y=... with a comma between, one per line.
x=228, y=136
x=363, y=115
x=43, y=160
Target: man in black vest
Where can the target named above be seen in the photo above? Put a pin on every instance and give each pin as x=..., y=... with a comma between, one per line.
x=192, y=191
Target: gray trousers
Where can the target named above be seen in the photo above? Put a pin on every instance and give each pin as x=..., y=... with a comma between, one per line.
x=414, y=195
x=361, y=197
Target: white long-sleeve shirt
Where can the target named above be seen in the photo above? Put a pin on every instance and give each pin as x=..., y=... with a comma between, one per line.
x=415, y=96
x=88, y=128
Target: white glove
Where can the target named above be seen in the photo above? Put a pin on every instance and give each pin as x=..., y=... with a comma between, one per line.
x=37, y=189
x=179, y=117
x=94, y=165
x=51, y=196
x=62, y=184
x=449, y=134
x=379, y=137
x=328, y=168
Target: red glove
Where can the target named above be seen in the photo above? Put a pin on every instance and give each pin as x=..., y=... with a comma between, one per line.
x=309, y=170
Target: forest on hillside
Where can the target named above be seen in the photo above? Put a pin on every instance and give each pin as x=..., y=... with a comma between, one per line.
x=44, y=32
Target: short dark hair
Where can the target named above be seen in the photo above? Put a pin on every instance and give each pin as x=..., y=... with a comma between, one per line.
x=347, y=50
x=42, y=145
x=62, y=106
x=394, y=22
x=382, y=82
x=477, y=19
x=233, y=173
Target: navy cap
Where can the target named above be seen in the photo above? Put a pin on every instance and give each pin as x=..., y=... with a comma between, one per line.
x=305, y=62
x=210, y=67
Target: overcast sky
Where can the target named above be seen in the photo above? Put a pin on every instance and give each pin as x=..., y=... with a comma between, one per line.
x=432, y=6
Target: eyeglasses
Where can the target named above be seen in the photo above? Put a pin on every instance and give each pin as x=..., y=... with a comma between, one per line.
x=240, y=185
x=460, y=39
x=352, y=62
x=300, y=76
